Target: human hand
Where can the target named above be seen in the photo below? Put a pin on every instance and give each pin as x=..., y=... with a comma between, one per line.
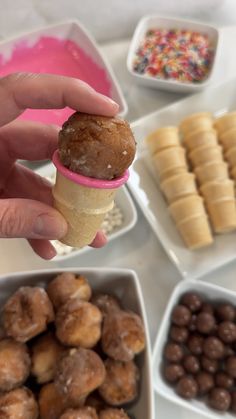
x=25, y=197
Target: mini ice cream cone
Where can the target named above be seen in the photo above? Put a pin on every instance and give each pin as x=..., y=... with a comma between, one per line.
x=230, y=156
x=206, y=154
x=218, y=191
x=162, y=138
x=189, y=206
x=225, y=122
x=170, y=159
x=222, y=215
x=196, y=232
x=200, y=138
x=228, y=138
x=211, y=171
x=198, y=121
x=83, y=202
x=178, y=186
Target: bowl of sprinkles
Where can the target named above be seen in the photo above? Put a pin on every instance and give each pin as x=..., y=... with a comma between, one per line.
x=173, y=54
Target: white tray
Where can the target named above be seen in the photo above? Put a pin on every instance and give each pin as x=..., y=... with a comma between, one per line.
x=143, y=184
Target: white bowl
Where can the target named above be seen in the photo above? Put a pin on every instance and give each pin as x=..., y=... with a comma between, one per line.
x=149, y=22
x=212, y=293
x=123, y=201
x=72, y=31
x=122, y=283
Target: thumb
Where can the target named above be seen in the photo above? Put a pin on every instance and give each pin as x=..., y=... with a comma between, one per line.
x=30, y=219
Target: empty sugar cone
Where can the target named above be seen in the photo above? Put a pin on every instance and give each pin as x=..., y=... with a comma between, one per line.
x=206, y=154
x=228, y=139
x=218, y=190
x=196, y=232
x=176, y=187
x=83, y=202
x=211, y=171
x=222, y=214
x=197, y=121
x=200, y=138
x=162, y=138
x=172, y=172
x=230, y=156
x=225, y=122
x=170, y=159
x=186, y=207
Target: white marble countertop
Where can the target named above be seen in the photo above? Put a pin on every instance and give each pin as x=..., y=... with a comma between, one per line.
x=139, y=249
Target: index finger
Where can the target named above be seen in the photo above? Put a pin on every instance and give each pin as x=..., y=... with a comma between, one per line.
x=46, y=91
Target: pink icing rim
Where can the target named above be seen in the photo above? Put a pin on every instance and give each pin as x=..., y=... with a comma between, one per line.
x=88, y=181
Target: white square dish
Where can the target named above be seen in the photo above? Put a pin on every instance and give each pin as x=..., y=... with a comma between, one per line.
x=123, y=201
x=161, y=22
x=122, y=283
x=24, y=54
x=212, y=293
x=144, y=188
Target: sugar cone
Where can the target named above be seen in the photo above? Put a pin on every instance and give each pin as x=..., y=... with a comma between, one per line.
x=84, y=209
x=218, y=190
x=196, y=232
x=189, y=206
x=222, y=215
x=230, y=156
x=225, y=122
x=200, y=138
x=206, y=154
x=176, y=187
x=162, y=138
x=197, y=121
x=211, y=171
x=228, y=139
x=172, y=172
x=170, y=159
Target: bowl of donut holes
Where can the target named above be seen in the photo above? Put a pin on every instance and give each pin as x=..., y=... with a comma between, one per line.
x=74, y=344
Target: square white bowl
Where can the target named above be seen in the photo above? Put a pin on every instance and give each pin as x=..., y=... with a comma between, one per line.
x=144, y=184
x=212, y=293
x=122, y=283
x=149, y=22
x=73, y=31
x=123, y=201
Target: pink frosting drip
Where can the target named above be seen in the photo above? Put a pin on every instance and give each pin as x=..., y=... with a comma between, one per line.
x=55, y=56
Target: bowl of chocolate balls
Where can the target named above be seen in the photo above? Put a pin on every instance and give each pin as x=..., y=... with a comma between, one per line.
x=74, y=345
x=195, y=350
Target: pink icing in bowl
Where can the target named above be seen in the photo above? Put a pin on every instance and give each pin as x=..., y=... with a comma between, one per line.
x=52, y=55
x=88, y=181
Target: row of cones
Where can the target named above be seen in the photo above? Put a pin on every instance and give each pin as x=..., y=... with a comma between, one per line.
x=200, y=140
x=179, y=187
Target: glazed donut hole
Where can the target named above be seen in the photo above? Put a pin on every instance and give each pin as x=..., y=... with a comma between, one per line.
x=14, y=364
x=45, y=353
x=68, y=285
x=123, y=335
x=17, y=404
x=121, y=382
x=78, y=323
x=81, y=413
x=27, y=313
x=113, y=414
x=106, y=303
x=51, y=402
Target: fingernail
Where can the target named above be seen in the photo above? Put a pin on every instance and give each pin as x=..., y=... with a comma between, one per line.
x=50, y=227
x=109, y=100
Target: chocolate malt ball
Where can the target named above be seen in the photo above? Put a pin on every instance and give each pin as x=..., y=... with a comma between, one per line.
x=173, y=372
x=209, y=365
x=178, y=334
x=195, y=344
x=192, y=326
x=233, y=401
x=181, y=315
x=225, y=312
x=227, y=331
x=219, y=399
x=192, y=300
x=187, y=387
x=205, y=323
x=224, y=380
x=213, y=348
x=205, y=382
x=173, y=352
x=207, y=308
x=230, y=366
x=191, y=364
x=96, y=146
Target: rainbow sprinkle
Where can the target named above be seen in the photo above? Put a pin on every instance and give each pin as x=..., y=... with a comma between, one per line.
x=181, y=55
